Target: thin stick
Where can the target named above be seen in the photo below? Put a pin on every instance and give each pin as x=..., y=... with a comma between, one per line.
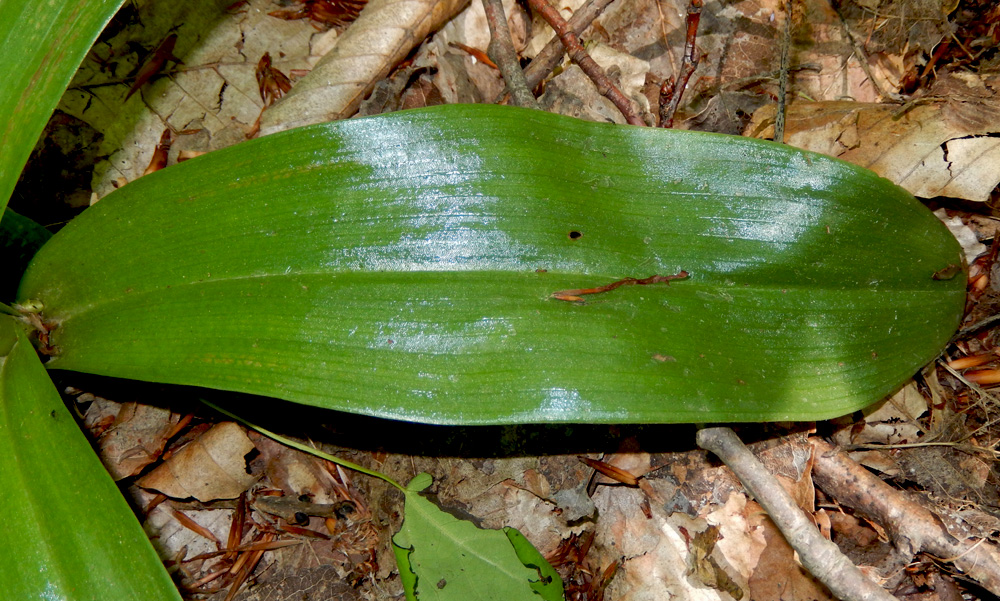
x=817, y=554
x=579, y=56
x=551, y=55
x=862, y=56
x=689, y=62
x=786, y=43
x=501, y=51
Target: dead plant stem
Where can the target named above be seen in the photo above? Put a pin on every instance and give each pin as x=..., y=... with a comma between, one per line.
x=551, y=55
x=579, y=56
x=818, y=555
x=689, y=62
x=501, y=51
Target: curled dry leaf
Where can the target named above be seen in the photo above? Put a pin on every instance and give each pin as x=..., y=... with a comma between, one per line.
x=944, y=148
x=213, y=466
x=368, y=50
x=136, y=438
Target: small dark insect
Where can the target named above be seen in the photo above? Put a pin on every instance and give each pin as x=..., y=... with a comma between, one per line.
x=324, y=14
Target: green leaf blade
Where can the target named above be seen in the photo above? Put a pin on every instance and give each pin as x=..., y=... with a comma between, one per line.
x=75, y=536
x=402, y=266
x=444, y=558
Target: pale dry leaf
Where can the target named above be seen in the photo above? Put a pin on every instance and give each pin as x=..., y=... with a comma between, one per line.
x=891, y=421
x=573, y=93
x=534, y=517
x=942, y=148
x=135, y=439
x=172, y=539
x=214, y=91
x=964, y=234
x=365, y=53
x=654, y=551
x=213, y=466
x=740, y=544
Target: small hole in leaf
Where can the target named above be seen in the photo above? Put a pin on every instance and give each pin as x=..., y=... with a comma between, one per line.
x=575, y=235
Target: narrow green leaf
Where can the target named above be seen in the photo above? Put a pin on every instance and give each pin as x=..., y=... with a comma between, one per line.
x=441, y=557
x=67, y=528
x=41, y=46
x=404, y=265
x=20, y=239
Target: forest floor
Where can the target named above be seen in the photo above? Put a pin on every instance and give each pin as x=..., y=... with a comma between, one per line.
x=906, y=88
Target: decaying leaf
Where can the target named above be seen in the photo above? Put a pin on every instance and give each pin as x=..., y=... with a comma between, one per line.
x=135, y=439
x=213, y=466
x=383, y=35
x=323, y=13
x=942, y=148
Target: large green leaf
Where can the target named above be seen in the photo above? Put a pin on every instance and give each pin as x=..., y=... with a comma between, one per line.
x=41, y=46
x=68, y=533
x=403, y=266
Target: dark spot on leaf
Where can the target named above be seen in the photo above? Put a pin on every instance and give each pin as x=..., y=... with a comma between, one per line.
x=575, y=235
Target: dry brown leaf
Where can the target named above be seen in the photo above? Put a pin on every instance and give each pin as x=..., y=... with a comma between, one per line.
x=654, y=551
x=366, y=52
x=130, y=436
x=213, y=466
x=136, y=439
x=777, y=576
x=942, y=148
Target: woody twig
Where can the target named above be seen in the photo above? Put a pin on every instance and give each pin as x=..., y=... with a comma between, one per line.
x=672, y=90
x=501, y=51
x=579, y=56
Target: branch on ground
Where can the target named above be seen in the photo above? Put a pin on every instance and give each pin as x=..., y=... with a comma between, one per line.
x=912, y=527
x=820, y=556
x=501, y=51
x=579, y=56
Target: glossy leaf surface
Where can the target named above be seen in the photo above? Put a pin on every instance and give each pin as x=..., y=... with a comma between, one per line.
x=69, y=533
x=41, y=46
x=403, y=266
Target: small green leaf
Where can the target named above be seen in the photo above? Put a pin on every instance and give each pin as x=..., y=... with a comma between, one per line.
x=69, y=533
x=443, y=558
x=405, y=266
x=420, y=482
